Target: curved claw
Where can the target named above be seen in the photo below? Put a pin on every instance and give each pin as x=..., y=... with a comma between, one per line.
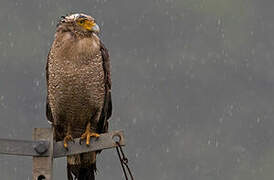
x=87, y=136
x=66, y=140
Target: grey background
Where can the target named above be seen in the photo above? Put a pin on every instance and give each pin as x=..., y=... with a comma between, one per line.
x=193, y=84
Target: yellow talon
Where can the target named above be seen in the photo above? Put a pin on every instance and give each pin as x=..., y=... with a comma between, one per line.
x=95, y=135
x=66, y=140
x=88, y=134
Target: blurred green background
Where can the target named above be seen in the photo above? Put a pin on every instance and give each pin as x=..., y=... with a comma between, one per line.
x=193, y=84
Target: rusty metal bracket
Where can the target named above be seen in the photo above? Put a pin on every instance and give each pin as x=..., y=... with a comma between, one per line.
x=105, y=141
x=21, y=147
x=42, y=166
x=40, y=147
x=44, y=149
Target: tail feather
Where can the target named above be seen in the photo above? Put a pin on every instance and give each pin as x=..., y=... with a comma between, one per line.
x=81, y=166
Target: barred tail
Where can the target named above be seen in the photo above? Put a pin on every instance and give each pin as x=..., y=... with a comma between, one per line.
x=81, y=166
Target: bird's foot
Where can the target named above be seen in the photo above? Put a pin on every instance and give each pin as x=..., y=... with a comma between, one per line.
x=66, y=140
x=87, y=136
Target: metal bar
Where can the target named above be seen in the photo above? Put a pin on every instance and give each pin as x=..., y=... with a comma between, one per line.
x=21, y=147
x=42, y=166
x=40, y=147
x=105, y=141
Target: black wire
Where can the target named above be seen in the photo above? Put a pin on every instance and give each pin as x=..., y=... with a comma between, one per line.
x=123, y=161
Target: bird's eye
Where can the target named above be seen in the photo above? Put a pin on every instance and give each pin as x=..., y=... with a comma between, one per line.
x=82, y=21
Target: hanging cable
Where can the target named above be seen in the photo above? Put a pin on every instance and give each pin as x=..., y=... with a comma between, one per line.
x=123, y=160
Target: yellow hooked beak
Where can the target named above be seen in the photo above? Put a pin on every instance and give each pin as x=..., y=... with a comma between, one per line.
x=90, y=25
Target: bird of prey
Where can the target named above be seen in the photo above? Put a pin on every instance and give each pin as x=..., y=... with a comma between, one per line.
x=79, y=89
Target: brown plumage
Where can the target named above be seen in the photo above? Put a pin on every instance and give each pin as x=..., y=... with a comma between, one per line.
x=78, y=81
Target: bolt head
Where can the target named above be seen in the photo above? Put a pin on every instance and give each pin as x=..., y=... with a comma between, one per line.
x=41, y=148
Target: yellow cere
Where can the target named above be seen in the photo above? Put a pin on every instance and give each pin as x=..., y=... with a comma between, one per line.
x=87, y=24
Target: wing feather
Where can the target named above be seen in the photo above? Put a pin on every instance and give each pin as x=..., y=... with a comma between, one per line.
x=107, y=107
x=48, y=110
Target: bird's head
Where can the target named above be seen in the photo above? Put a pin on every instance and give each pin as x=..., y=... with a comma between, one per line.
x=79, y=22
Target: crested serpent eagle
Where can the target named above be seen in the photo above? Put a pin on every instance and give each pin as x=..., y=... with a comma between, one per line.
x=78, y=87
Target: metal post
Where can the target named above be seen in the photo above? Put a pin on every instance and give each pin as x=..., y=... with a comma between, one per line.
x=43, y=149
x=42, y=166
